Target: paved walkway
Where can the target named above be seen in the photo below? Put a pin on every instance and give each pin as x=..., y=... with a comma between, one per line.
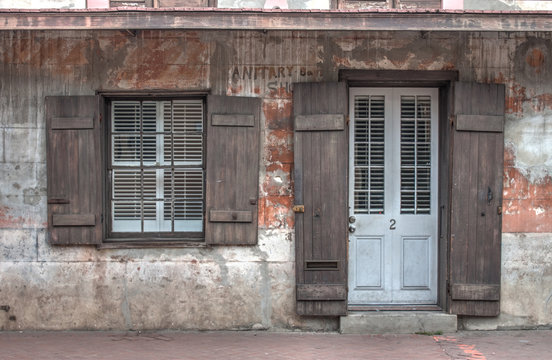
x=503, y=345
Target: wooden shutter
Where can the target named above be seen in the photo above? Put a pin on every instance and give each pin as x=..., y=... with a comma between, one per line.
x=476, y=199
x=232, y=170
x=74, y=170
x=320, y=176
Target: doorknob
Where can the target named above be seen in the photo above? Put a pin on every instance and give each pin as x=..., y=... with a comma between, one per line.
x=352, y=228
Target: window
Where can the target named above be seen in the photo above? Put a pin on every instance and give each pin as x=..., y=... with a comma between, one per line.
x=161, y=169
x=156, y=168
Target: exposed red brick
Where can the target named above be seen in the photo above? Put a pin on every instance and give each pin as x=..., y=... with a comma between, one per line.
x=278, y=136
x=527, y=207
x=261, y=212
x=535, y=59
x=530, y=215
x=279, y=166
x=278, y=212
x=279, y=154
x=280, y=93
x=518, y=187
x=277, y=183
x=515, y=99
x=278, y=114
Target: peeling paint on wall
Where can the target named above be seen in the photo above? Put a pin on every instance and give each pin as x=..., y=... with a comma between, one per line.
x=530, y=139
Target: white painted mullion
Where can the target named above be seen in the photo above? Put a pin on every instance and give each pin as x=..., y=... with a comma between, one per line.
x=352, y=189
x=390, y=157
x=416, y=155
x=159, y=158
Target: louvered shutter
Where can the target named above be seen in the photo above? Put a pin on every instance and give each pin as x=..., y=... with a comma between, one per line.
x=476, y=199
x=232, y=171
x=74, y=170
x=320, y=178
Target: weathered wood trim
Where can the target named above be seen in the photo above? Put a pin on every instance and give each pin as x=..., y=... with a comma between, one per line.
x=73, y=220
x=320, y=122
x=404, y=78
x=484, y=123
x=395, y=308
x=311, y=292
x=230, y=216
x=233, y=120
x=225, y=19
x=141, y=244
x=153, y=93
x=483, y=292
x=72, y=123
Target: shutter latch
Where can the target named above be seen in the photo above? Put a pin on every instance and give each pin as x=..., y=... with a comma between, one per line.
x=299, y=208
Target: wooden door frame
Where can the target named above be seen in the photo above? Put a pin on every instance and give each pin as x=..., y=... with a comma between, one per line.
x=443, y=81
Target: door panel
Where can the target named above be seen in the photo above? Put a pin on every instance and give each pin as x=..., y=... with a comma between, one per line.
x=370, y=251
x=393, y=196
x=415, y=262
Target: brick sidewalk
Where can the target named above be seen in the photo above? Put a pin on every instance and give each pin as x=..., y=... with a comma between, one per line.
x=503, y=345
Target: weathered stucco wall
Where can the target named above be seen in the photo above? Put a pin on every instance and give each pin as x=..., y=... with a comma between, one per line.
x=242, y=287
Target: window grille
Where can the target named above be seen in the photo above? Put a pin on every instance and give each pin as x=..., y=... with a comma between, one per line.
x=369, y=186
x=415, y=154
x=157, y=172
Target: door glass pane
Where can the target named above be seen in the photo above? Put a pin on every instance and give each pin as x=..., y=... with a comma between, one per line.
x=369, y=142
x=415, y=154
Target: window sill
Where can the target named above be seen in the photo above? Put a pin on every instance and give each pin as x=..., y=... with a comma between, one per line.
x=150, y=244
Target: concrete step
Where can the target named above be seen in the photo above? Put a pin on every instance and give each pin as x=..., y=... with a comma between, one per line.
x=397, y=322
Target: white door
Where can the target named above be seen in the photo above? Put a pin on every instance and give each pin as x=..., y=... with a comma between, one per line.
x=393, y=196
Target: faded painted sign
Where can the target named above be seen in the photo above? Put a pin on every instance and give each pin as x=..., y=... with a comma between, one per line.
x=269, y=79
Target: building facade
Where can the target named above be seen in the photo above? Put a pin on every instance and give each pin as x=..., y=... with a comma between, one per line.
x=214, y=169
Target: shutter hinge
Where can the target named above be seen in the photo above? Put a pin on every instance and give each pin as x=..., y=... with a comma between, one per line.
x=499, y=210
x=101, y=218
x=448, y=287
x=299, y=208
x=451, y=119
x=347, y=119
